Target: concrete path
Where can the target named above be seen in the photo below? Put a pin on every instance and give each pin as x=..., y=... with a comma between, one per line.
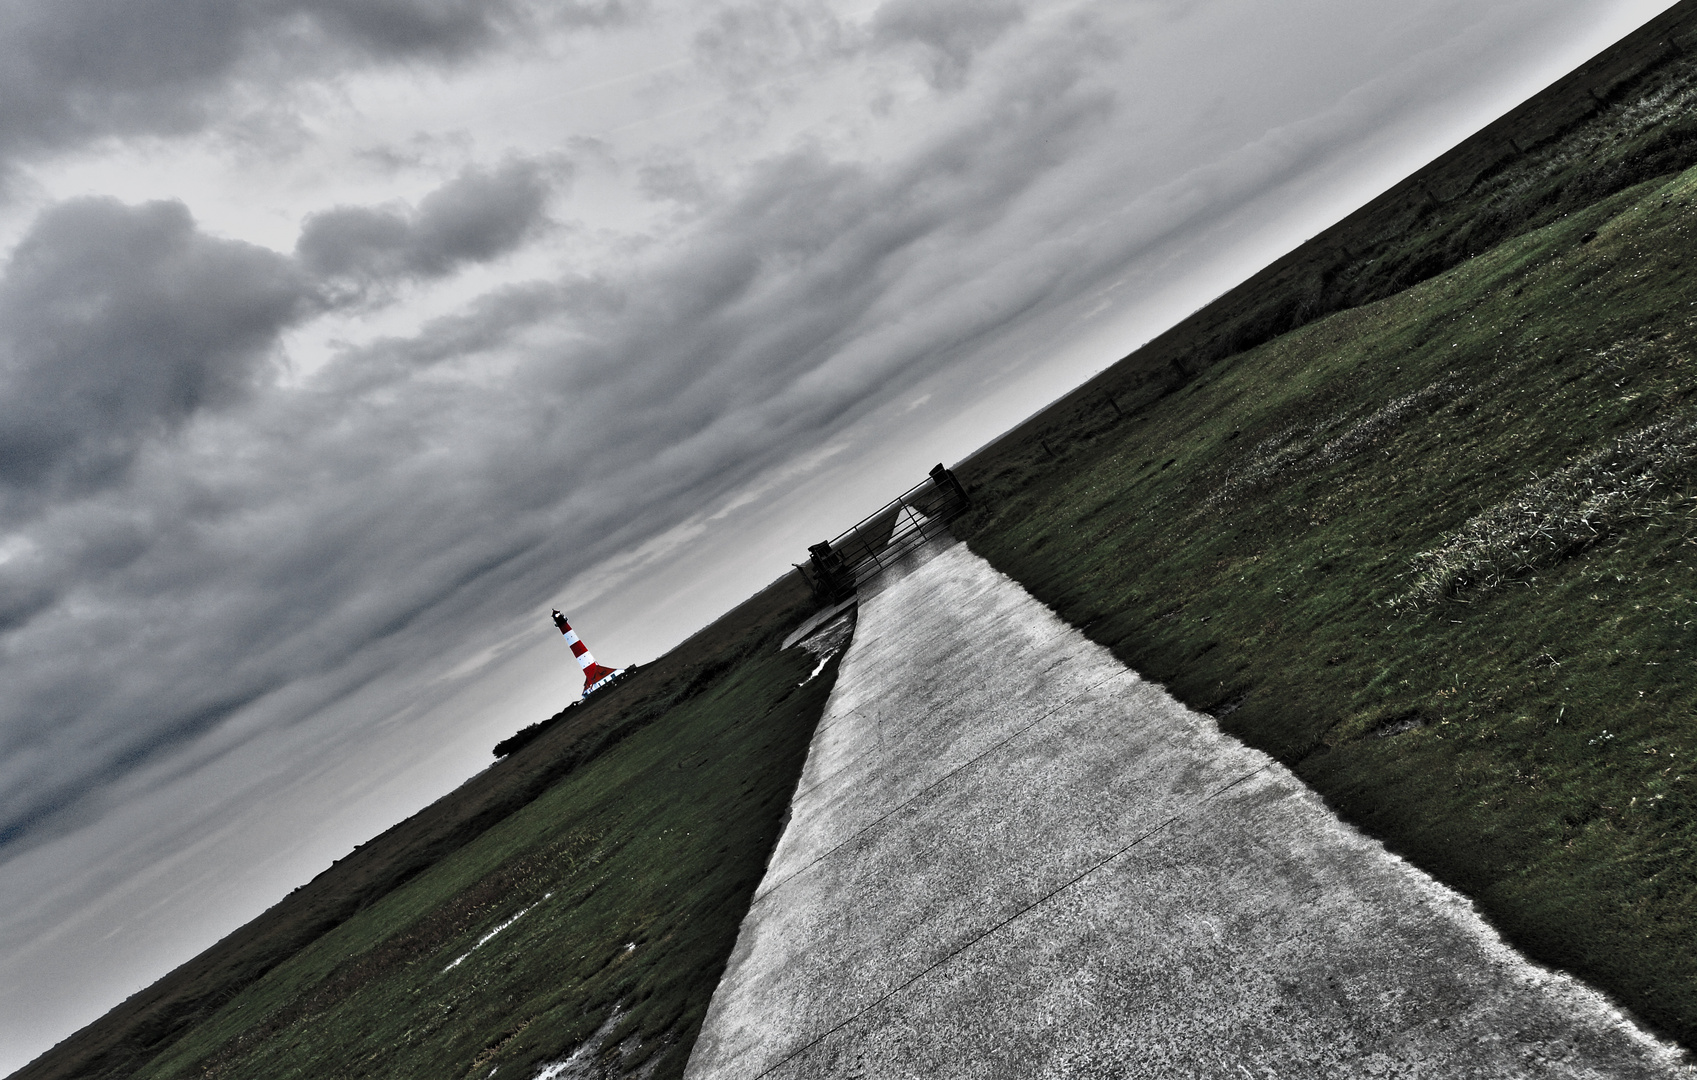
x=1011, y=857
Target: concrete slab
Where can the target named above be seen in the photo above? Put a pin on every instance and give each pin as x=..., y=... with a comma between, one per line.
x=1009, y=856
x=818, y=619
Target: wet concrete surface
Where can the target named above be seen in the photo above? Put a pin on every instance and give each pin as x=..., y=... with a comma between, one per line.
x=1009, y=856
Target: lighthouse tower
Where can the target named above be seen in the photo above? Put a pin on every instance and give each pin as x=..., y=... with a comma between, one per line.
x=594, y=675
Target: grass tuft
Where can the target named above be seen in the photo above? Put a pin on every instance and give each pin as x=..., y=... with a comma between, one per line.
x=1560, y=515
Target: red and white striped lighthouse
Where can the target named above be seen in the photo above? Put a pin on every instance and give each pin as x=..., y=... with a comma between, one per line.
x=594, y=675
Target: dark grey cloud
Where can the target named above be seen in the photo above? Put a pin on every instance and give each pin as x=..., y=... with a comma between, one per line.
x=487, y=324
x=75, y=70
x=674, y=181
x=117, y=324
x=447, y=29
x=476, y=217
x=120, y=323
x=948, y=33
x=748, y=42
x=754, y=44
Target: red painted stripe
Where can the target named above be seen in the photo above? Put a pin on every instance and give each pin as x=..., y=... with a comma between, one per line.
x=595, y=674
x=579, y=648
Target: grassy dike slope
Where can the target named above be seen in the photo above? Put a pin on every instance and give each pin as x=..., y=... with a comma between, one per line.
x=1438, y=554
x=1626, y=116
x=641, y=818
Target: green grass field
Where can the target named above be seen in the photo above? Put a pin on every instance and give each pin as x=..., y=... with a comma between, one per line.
x=1438, y=554
x=614, y=899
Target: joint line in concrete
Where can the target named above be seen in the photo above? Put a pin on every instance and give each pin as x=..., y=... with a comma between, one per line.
x=1027, y=909
x=934, y=785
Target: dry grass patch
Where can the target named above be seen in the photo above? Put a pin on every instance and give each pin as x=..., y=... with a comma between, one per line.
x=1302, y=448
x=1635, y=479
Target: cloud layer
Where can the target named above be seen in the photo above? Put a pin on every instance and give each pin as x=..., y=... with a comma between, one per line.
x=478, y=216
x=119, y=323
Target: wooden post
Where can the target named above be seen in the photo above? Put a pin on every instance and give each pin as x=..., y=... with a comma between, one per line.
x=945, y=479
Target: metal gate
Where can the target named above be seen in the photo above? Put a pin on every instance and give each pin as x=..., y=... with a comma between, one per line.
x=839, y=566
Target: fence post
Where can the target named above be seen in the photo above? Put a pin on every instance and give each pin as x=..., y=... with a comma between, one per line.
x=943, y=477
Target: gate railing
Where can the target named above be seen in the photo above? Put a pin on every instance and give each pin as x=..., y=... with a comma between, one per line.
x=865, y=549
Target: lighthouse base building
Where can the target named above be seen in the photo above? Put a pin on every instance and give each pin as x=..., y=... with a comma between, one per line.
x=595, y=676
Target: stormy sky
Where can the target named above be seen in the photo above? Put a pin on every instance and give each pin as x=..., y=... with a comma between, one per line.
x=340, y=339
